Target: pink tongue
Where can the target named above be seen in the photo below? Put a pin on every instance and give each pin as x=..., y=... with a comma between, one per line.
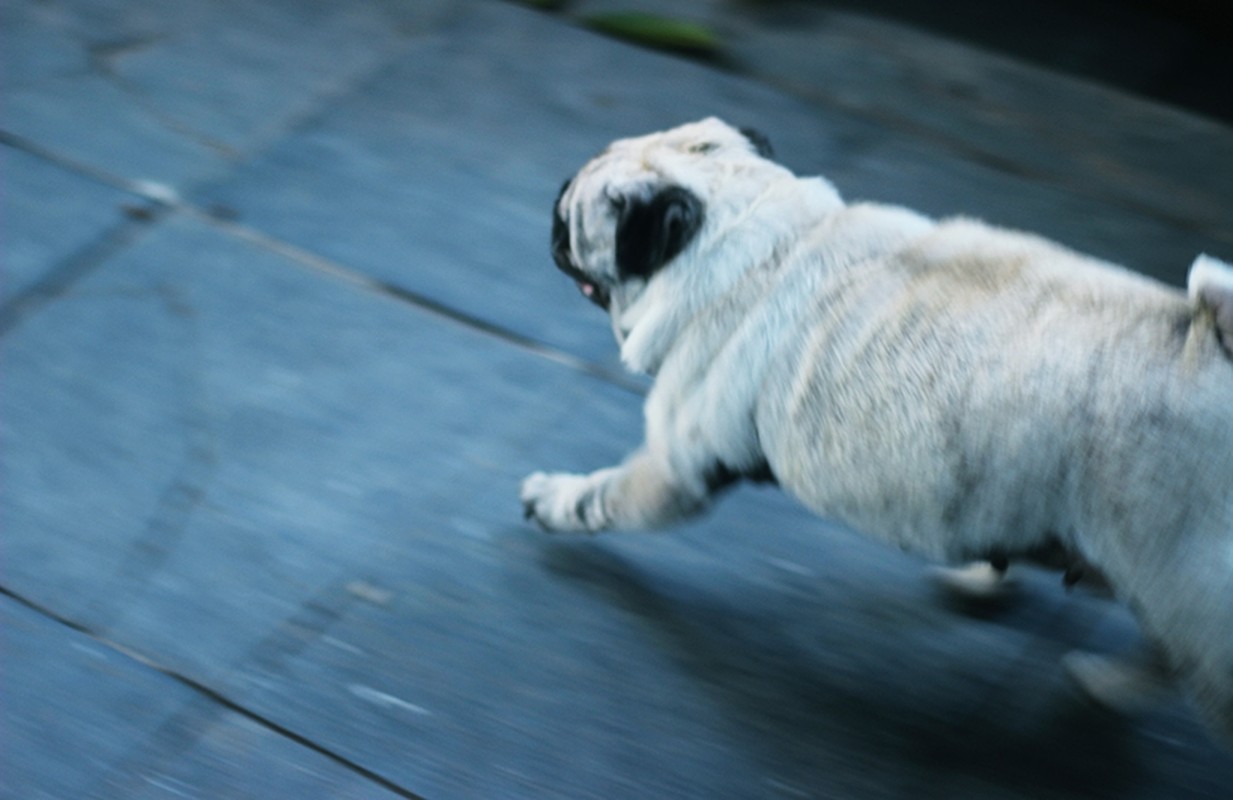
x=586, y=288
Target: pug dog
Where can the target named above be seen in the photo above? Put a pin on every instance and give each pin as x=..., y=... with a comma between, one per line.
x=959, y=390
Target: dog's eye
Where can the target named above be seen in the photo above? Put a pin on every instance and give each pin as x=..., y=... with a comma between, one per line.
x=703, y=147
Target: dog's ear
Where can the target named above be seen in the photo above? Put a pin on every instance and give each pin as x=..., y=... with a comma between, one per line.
x=652, y=231
x=560, y=231
x=761, y=144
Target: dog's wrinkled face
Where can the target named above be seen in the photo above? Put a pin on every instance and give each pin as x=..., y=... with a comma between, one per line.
x=643, y=201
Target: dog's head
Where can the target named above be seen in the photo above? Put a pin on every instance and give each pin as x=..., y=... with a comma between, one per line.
x=643, y=202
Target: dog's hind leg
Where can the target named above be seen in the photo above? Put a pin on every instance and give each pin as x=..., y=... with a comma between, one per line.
x=1186, y=607
x=976, y=582
x=1127, y=684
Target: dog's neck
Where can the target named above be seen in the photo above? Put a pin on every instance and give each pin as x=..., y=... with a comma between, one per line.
x=647, y=318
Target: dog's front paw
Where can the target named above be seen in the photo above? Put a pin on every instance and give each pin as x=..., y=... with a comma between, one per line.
x=562, y=502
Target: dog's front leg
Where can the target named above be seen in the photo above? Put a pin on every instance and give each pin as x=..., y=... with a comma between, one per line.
x=641, y=493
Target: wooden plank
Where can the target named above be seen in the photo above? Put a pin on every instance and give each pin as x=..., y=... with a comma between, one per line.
x=72, y=707
x=39, y=236
x=85, y=719
x=301, y=494
x=439, y=182
x=1067, y=132
x=138, y=73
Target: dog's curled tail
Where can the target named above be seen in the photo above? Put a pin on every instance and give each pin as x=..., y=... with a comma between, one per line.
x=1211, y=290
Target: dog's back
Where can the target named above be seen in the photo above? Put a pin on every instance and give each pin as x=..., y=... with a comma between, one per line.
x=980, y=392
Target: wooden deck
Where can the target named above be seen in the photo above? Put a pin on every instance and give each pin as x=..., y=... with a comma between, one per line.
x=279, y=336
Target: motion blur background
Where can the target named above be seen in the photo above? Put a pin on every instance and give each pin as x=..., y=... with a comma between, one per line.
x=280, y=335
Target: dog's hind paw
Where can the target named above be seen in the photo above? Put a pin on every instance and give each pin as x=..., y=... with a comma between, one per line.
x=978, y=582
x=1127, y=686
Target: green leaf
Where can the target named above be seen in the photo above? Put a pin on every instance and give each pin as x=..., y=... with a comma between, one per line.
x=652, y=30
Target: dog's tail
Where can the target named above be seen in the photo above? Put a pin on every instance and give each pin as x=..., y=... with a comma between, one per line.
x=1211, y=291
